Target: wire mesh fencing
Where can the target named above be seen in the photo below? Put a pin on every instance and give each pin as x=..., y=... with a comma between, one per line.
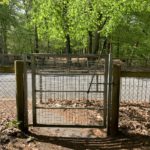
x=135, y=90
x=7, y=86
x=66, y=99
x=61, y=89
x=62, y=95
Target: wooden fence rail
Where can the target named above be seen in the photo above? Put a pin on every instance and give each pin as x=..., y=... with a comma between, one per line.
x=4, y=69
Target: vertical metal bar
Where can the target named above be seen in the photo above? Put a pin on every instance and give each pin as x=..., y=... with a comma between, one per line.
x=40, y=82
x=97, y=82
x=143, y=89
x=109, y=92
x=25, y=92
x=146, y=93
x=105, y=89
x=138, y=90
x=34, y=91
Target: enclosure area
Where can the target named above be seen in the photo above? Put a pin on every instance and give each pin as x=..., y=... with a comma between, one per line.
x=72, y=93
x=69, y=91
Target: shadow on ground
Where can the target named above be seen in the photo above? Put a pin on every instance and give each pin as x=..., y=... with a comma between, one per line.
x=109, y=143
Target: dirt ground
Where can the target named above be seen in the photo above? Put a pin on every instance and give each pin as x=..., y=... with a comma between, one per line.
x=134, y=132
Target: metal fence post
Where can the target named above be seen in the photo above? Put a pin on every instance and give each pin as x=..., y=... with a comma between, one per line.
x=109, y=93
x=115, y=100
x=34, y=90
x=21, y=98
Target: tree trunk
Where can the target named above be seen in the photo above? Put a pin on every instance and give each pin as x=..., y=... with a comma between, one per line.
x=96, y=43
x=3, y=38
x=1, y=42
x=68, y=48
x=109, y=47
x=90, y=42
x=105, y=46
x=48, y=46
x=5, y=42
x=36, y=42
x=118, y=48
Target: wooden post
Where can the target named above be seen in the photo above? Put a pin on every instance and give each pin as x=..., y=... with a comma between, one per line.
x=21, y=98
x=115, y=100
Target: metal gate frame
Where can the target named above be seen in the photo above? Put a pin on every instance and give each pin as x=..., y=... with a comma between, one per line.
x=107, y=96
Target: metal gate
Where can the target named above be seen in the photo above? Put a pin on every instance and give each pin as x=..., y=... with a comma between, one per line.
x=71, y=91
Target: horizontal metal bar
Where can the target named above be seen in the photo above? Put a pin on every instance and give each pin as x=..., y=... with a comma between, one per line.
x=45, y=91
x=66, y=55
x=91, y=108
x=98, y=83
x=67, y=74
x=67, y=126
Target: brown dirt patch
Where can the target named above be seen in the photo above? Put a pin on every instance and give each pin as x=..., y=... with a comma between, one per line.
x=134, y=126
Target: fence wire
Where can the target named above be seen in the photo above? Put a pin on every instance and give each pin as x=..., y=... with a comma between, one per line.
x=135, y=90
x=7, y=86
x=132, y=89
x=61, y=91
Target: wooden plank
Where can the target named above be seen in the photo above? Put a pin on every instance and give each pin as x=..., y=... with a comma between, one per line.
x=137, y=74
x=6, y=69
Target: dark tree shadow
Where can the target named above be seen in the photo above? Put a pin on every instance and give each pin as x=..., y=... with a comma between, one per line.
x=109, y=143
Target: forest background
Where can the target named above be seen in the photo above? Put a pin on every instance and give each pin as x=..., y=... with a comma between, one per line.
x=76, y=27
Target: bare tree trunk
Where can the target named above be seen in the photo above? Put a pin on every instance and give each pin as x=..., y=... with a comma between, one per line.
x=118, y=48
x=68, y=48
x=27, y=7
x=66, y=27
x=48, y=46
x=1, y=42
x=96, y=44
x=5, y=41
x=90, y=42
x=36, y=42
x=107, y=46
